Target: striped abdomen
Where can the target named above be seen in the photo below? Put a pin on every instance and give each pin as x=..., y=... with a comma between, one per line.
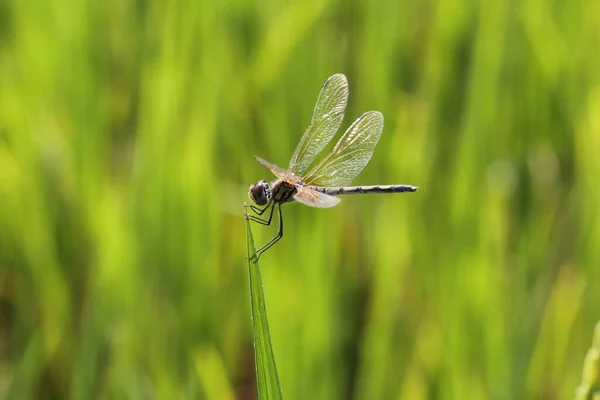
x=336, y=190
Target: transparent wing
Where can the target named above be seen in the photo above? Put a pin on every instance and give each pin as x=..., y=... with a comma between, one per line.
x=326, y=120
x=350, y=154
x=313, y=198
x=278, y=171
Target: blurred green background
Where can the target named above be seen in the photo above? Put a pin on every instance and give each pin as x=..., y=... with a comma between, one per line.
x=127, y=136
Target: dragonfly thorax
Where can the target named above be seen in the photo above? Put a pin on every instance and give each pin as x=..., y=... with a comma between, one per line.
x=260, y=193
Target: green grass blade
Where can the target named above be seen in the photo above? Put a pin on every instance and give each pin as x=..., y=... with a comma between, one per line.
x=267, y=379
x=590, y=384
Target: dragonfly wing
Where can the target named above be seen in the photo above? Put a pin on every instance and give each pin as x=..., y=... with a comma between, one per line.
x=326, y=120
x=278, y=171
x=313, y=198
x=350, y=154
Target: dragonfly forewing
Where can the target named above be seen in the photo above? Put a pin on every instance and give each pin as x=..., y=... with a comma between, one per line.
x=325, y=122
x=276, y=170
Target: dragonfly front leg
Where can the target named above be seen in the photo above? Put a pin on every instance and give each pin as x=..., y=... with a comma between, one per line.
x=271, y=242
x=257, y=210
x=260, y=211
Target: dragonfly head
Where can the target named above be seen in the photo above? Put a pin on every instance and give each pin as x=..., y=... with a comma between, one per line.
x=260, y=193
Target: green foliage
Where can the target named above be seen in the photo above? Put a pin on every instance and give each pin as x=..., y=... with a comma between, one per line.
x=590, y=384
x=127, y=135
x=267, y=380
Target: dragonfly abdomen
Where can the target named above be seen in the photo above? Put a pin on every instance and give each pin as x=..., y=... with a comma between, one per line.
x=337, y=190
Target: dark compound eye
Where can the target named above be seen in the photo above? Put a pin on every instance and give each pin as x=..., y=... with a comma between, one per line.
x=260, y=193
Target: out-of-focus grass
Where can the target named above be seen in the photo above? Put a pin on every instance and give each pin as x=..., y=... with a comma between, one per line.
x=590, y=383
x=127, y=131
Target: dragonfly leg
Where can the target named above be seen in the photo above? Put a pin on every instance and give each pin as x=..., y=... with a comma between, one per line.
x=271, y=242
x=260, y=220
x=257, y=210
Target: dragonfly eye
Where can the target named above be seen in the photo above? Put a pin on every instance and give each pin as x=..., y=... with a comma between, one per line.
x=260, y=193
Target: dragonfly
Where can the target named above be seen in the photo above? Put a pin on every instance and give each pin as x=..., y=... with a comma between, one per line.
x=318, y=186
